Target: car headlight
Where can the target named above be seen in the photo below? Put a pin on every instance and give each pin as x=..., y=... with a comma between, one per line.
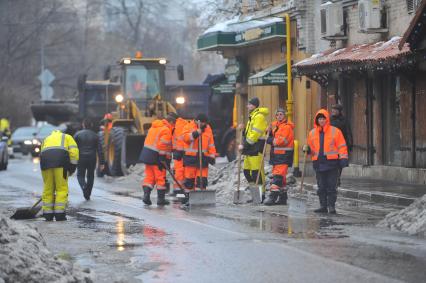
x=28, y=142
x=36, y=142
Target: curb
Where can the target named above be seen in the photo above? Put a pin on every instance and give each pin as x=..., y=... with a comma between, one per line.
x=376, y=197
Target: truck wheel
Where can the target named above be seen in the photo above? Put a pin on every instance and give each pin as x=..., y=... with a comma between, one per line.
x=99, y=173
x=231, y=147
x=115, y=148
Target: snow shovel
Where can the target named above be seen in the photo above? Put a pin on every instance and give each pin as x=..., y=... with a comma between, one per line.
x=256, y=191
x=27, y=213
x=238, y=194
x=202, y=196
x=297, y=202
x=174, y=179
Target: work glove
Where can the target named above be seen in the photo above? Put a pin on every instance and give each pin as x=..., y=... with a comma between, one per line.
x=270, y=140
x=177, y=154
x=203, y=127
x=344, y=162
x=306, y=149
x=212, y=160
x=195, y=134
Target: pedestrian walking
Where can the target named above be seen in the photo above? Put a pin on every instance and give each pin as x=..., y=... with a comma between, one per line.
x=156, y=154
x=339, y=121
x=329, y=153
x=254, y=140
x=193, y=135
x=178, y=152
x=58, y=160
x=89, y=147
x=281, y=139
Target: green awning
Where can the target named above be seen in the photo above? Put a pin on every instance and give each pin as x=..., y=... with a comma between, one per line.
x=237, y=33
x=274, y=75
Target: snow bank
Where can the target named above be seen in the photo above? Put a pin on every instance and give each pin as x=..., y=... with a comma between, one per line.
x=411, y=220
x=24, y=257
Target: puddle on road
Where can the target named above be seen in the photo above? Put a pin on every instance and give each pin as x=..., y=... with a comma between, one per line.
x=130, y=232
x=294, y=226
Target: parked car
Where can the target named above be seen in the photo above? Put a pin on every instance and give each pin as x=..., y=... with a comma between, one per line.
x=39, y=137
x=4, y=155
x=22, y=139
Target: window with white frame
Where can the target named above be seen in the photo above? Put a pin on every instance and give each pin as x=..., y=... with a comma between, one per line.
x=412, y=5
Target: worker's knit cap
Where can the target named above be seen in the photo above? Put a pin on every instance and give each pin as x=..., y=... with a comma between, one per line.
x=254, y=101
x=202, y=118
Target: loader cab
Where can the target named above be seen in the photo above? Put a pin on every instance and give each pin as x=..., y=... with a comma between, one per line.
x=143, y=80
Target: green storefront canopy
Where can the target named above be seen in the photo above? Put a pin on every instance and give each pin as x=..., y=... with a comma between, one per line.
x=274, y=75
x=236, y=33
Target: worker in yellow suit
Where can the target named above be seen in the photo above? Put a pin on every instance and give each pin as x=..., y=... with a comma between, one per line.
x=5, y=129
x=58, y=159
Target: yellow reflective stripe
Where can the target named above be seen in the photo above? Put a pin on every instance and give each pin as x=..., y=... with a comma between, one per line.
x=163, y=152
x=340, y=146
x=63, y=140
x=257, y=130
x=73, y=161
x=195, y=150
x=330, y=152
x=345, y=156
x=161, y=187
x=73, y=146
x=147, y=185
x=250, y=141
x=47, y=211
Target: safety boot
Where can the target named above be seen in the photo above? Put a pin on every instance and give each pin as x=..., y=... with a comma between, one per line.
x=331, y=199
x=161, y=198
x=321, y=210
x=146, y=195
x=60, y=216
x=272, y=198
x=282, y=198
x=332, y=210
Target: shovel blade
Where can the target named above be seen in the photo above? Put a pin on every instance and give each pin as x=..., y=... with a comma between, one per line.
x=25, y=213
x=238, y=196
x=202, y=197
x=297, y=204
x=256, y=194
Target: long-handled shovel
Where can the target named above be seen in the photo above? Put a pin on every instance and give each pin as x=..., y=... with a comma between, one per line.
x=297, y=202
x=202, y=196
x=238, y=194
x=255, y=191
x=27, y=213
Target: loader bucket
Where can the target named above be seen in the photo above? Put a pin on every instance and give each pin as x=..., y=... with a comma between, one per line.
x=134, y=145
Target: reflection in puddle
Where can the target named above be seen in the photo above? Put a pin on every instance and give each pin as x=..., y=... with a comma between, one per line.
x=120, y=234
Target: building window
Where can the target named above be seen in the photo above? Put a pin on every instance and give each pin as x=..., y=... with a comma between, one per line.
x=412, y=5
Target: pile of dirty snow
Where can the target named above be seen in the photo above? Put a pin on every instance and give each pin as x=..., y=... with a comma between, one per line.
x=24, y=257
x=225, y=181
x=411, y=220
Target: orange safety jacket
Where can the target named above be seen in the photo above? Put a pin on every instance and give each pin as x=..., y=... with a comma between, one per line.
x=334, y=143
x=158, y=143
x=191, y=157
x=282, y=141
x=178, y=143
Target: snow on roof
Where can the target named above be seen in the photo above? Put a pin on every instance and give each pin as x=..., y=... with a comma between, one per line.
x=237, y=25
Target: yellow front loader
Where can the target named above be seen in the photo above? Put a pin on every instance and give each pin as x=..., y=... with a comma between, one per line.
x=141, y=101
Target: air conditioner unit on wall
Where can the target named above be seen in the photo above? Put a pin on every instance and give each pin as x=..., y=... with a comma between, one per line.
x=331, y=20
x=370, y=13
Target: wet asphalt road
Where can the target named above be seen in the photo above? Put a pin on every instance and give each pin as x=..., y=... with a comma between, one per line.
x=123, y=241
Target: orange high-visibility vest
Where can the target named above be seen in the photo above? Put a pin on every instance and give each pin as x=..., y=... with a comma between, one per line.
x=334, y=142
x=191, y=145
x=178, y=143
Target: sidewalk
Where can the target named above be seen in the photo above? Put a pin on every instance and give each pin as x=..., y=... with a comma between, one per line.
x=379, y=191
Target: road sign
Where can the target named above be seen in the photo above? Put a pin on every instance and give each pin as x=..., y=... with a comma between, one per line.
x=46, y=78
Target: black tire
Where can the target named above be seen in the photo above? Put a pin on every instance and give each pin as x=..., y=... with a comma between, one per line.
x=100, y=173
x=116, y=144
x=231, y=148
